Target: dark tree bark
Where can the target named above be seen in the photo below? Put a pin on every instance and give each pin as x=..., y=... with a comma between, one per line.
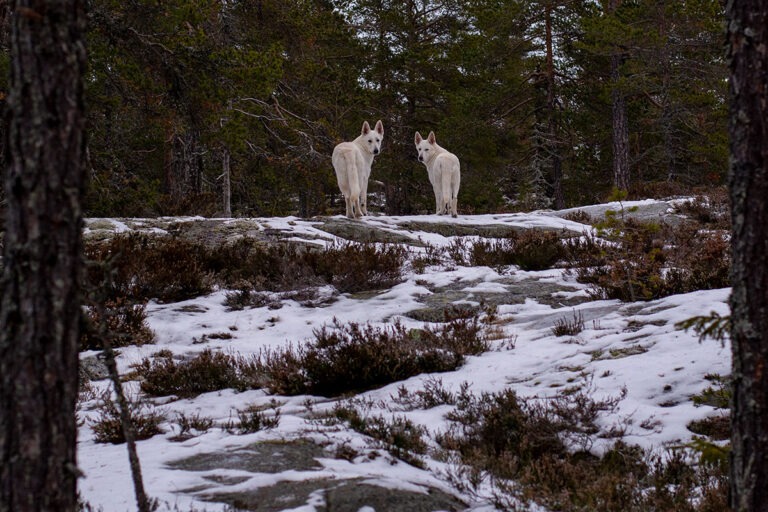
x=184, y=166
x=620, y=130
x=5, y=28
x=558, y=198
x=40, y=308
x=748, y=182
x=619, y=123
x=226, y=184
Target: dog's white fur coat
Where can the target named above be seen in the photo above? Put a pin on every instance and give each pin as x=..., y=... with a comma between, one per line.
x=352, y=163
x=444, y=172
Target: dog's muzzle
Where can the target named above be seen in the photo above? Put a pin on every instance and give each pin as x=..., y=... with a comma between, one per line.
x=375, y=151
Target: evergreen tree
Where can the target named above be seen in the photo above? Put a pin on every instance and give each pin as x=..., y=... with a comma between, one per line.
x=670, y=79
x=748, y=183
x=40, y=297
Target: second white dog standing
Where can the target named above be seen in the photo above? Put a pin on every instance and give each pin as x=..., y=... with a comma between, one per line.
x=352, y=163
x=444, y=172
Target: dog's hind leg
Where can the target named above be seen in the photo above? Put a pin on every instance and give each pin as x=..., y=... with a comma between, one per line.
x=448, y=200
x=455, y=182
x=353, y=182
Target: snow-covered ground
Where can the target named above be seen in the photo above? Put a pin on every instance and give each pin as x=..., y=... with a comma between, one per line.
x=634, y=346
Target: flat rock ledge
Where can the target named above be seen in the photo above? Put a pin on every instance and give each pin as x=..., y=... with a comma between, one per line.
x=325, y=494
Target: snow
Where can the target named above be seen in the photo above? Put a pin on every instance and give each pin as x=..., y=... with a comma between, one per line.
x=633, y=346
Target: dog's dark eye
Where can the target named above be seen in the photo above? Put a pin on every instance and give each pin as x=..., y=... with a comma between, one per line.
x=369, y=140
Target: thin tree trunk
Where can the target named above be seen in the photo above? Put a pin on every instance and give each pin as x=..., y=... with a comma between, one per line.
x=619, y=122
x=748, y=182
x=5, y=31
x=183, y=166
x=40, y=308
x=620, y=129
x=227, y=182
x=556, y=163
x=143, y=504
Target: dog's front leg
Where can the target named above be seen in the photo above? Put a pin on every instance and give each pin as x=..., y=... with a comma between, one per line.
x=363, y=203
x=348, y=202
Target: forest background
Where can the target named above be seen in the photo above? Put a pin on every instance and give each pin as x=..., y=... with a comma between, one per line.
x=550, y=103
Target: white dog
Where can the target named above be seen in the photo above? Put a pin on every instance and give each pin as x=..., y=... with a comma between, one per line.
x=352, y=163
x=443, y=170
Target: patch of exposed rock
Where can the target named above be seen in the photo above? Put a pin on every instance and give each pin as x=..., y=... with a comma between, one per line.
x=267, y=457
x=362, y=232
x=325, y=494
x=652, y=211
x=482, y=230
x=444, y=299
x=331, y=495
x=93, y=368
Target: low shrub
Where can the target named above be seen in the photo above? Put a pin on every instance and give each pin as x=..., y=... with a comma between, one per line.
x=123, y=321
x=349, y=266
x=711, y=209
x=340, y=359
x=108, y=427
x=253, y=419
x=402, y=438
x=352, y=267
x=538, y=250
x=701, y=261
x=246, y=297
x=543, y=447
x=432, y=394
x=719, y=395
x=348, y=358
x=208, y=371
x=717, y=427
x=579, y=216
x=530, y=250
x=647, y=261
x=272, y=267
x=139, y=267
x=491, y=253
x=353, y=358
x=569, y=326
x=191, y=425
x=430, y=256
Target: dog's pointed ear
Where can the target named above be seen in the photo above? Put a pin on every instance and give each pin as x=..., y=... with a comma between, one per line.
x=379, y=127
x=366, y=128
x=418, y=138
x=431, y=138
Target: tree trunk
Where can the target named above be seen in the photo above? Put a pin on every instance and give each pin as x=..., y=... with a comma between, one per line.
x=226, y=182
x=553, y=142
x=5, y=31
x=748, y=182
x=40, y=308
x=183, y=167
x=620, y=129
x=619, y=123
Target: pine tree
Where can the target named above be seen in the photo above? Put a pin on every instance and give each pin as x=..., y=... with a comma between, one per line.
x=748, y=182
x=42, y=257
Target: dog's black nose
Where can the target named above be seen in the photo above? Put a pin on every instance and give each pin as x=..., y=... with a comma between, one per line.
x=375, y=151
x=421, y=159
